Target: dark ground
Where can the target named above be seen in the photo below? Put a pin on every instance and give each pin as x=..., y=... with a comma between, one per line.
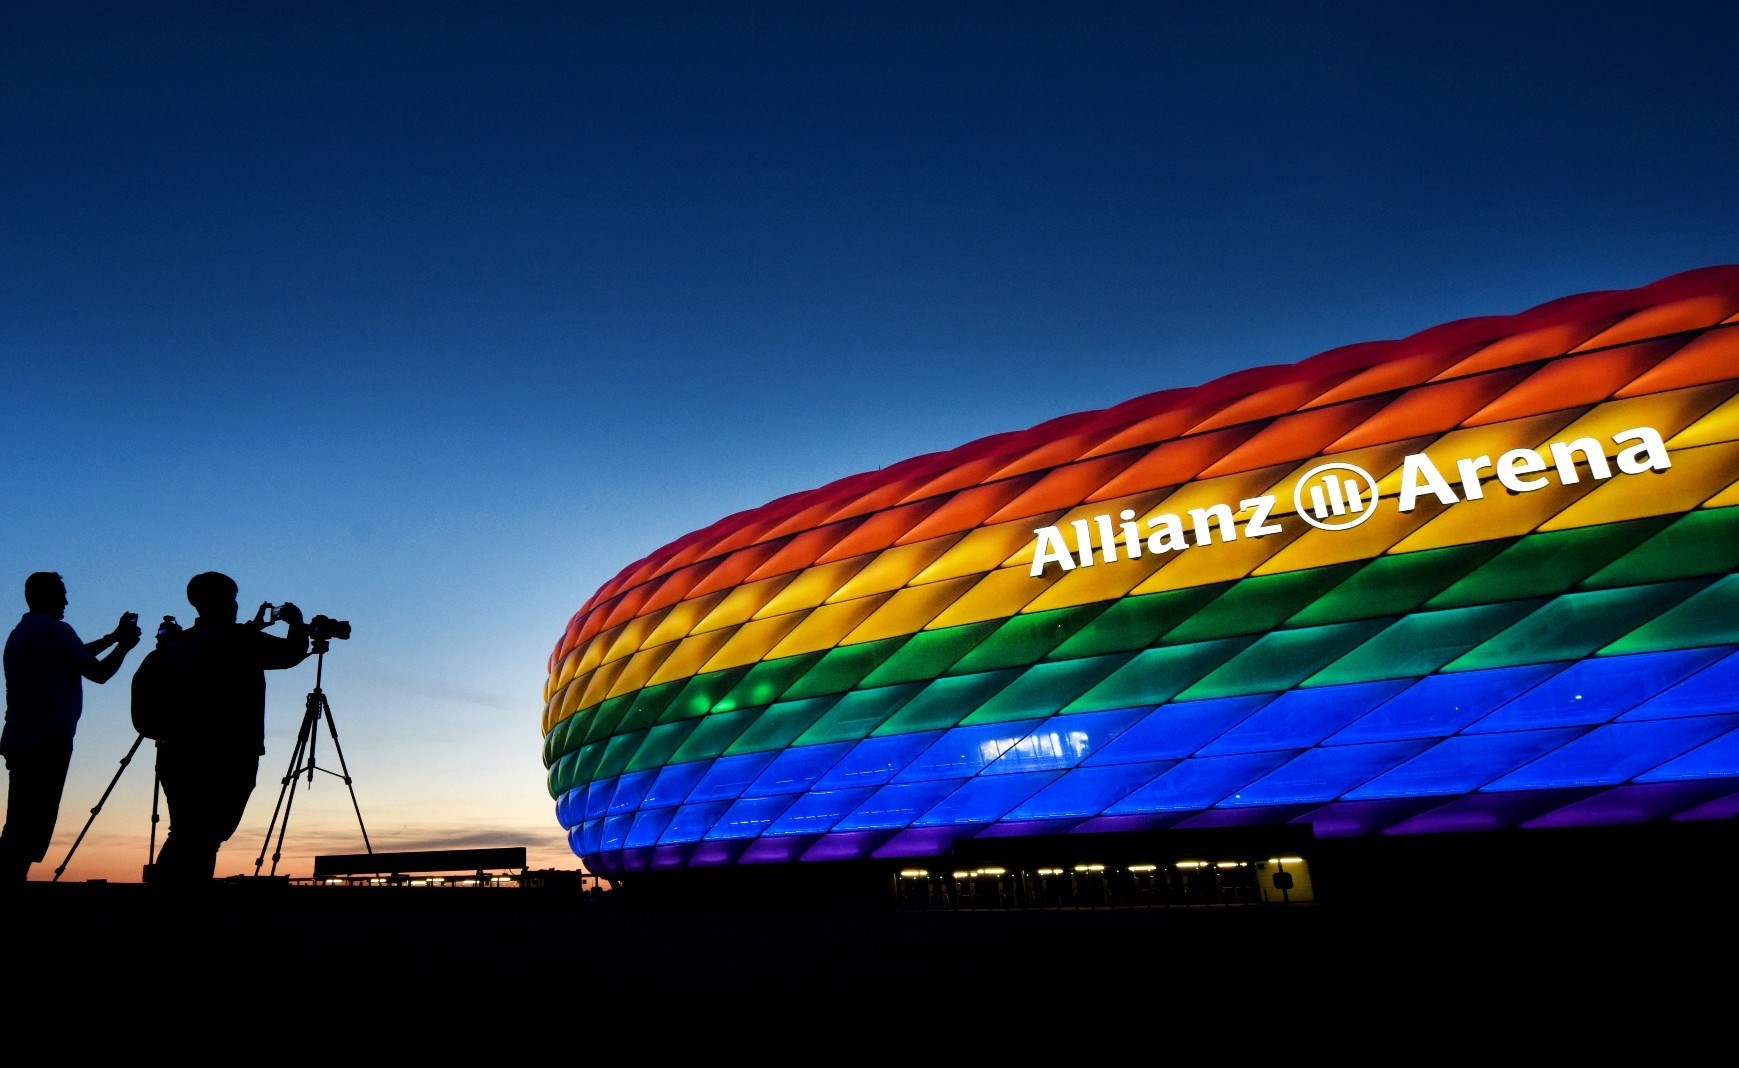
x=1588, y=947
x=432, y=940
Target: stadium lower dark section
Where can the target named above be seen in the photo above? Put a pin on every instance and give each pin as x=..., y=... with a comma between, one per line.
x=1657, y=862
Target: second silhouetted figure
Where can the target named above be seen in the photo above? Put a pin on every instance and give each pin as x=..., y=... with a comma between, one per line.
x=208, y=757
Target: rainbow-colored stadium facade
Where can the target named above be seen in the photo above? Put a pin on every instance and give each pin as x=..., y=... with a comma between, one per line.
x=1512, y=604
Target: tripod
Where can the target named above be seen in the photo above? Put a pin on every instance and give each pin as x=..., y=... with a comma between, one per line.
x=318, y=708
x=156, y=792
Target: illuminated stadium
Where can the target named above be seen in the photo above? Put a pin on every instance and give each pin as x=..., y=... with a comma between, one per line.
x=1473, y=583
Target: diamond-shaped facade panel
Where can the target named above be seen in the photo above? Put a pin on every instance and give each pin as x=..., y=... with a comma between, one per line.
x=1479, y=577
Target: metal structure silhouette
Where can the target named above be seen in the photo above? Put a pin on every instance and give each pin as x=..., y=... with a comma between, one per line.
x=318, y=708
x=156, y=794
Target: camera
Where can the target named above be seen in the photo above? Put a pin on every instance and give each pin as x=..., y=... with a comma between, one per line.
x=321, y=628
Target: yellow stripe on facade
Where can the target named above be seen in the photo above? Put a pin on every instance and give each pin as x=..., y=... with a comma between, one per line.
x=827, y=626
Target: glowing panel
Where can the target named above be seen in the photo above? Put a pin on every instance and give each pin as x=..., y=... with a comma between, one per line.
x=1478, y=578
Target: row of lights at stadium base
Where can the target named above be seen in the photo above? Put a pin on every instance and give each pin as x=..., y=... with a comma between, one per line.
x=468, y=880
x=923, y=873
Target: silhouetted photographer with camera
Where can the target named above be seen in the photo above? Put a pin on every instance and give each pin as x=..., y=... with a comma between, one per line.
x=208, y=685
x=46, y=664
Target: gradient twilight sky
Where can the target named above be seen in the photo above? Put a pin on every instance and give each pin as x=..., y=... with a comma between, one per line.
x=434, y=316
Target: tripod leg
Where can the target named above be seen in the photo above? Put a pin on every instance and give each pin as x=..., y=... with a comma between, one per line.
x=99, y=806
x=283, y=829
x=286, y=792
x=332, y=728
x=156, y=796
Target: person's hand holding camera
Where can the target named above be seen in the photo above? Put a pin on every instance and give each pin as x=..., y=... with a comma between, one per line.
x=290, y=614
x=127, y=633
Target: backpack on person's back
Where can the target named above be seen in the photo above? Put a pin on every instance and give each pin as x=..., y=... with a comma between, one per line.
x=160, y=681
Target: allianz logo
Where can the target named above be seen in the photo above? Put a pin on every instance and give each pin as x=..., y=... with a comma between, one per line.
x=1338, y=496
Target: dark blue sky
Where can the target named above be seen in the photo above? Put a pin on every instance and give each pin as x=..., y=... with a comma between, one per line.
x=434, y=316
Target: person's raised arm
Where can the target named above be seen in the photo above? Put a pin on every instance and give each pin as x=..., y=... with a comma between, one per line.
x=124, y=637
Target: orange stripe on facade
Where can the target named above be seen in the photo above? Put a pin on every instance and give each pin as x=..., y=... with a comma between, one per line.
x=1573, y=381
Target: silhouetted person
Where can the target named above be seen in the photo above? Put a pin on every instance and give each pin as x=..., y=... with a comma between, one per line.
x=46, y=664
x=208, y=760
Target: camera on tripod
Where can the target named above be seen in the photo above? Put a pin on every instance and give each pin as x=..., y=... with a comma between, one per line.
x=320, y=628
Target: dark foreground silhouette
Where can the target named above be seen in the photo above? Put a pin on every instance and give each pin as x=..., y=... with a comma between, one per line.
x=244, y=926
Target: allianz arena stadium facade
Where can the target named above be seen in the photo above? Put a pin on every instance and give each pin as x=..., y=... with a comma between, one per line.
x=1480, y=579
